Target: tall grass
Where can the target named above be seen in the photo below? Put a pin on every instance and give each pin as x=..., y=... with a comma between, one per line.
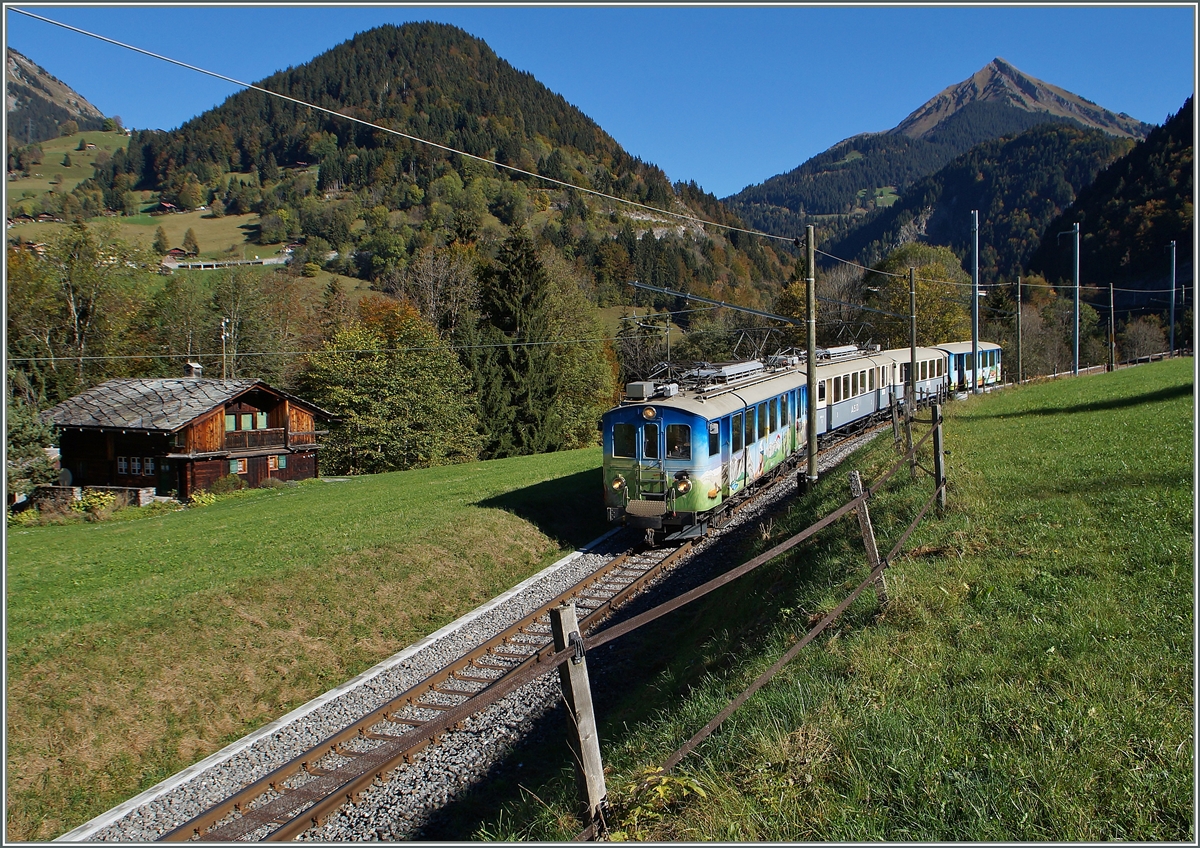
x=1031, y=677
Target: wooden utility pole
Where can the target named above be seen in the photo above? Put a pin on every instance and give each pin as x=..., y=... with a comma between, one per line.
x=912, y=336
x=810, y=289
x=939, y=456
x=975, y=305
x=1112, y=330
x=1018, y=329
x=582, y=737
x=868, y=534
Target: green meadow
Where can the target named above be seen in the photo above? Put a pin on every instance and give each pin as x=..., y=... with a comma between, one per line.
x=1029, y=679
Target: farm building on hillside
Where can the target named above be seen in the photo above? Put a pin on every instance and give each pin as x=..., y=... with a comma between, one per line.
x=182, y=435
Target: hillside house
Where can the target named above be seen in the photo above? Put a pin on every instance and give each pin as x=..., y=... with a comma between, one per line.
x=182, y=435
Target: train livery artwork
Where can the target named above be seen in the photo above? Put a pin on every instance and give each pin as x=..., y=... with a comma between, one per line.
x=678, y=454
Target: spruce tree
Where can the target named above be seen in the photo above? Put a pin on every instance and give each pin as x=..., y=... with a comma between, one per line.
x=189, y=242
x=161, y=243
x=516, y=377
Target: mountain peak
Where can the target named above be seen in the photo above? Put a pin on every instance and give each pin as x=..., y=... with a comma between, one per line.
x=1000, y=82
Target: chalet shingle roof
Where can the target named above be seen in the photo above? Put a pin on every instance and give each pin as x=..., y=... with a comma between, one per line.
x=146, y=404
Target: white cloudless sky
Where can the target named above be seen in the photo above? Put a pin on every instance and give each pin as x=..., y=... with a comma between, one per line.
x=727, y=96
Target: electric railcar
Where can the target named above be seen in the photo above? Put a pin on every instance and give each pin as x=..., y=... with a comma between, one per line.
x=678, y=454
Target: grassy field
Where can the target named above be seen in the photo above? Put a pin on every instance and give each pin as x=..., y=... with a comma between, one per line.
x=137, y=647
x=1031, y=677
x=24, y=190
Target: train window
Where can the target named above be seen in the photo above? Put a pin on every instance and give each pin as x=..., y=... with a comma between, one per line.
x=904, y=372
x=924, y=366
x=784, y=411
x=862, y=381
x=750, y=428
x=940, y=365
x=762, y=420
x=846, y=386
x=853, y=384
x=714, y=438
x=821, y=391
x=624, y=440
x=774, y=414
x=650, y=441
x=737, y=433
x=871, y=380
x=679, y=441
x=837, y=389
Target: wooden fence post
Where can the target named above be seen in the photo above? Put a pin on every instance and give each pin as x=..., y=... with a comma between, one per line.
x=581, y=732
x=939, y=459
x=868, y=534
x=895, y=422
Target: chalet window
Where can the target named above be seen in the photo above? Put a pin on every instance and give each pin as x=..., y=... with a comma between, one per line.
x=237, y=466
x=122, y=465
x=247, y=421
x=148, y=466
x=135, y=465
x=261, y=421
x=272, y=463
x=282, y=461
x=230, y=423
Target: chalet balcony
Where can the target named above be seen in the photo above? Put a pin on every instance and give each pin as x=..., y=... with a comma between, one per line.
x=250, y=439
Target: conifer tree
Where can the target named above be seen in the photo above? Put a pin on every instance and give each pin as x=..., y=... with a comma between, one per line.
x=189, y=242
x=161, y=243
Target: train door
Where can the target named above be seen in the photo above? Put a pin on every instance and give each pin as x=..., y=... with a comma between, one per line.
x=822, y=405
x=650, y=458
x=736, y=474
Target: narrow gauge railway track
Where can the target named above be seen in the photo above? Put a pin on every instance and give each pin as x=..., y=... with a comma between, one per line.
x=306, y=789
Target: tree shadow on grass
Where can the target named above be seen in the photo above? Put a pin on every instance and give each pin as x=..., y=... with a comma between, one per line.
x=570, y=510
x=1101, y=405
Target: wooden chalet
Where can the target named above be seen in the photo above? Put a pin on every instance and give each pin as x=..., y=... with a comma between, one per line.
x=182, y=435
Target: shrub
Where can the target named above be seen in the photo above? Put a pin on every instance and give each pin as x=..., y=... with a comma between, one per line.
x=228, y=483
x=276, y=483
x=203, y=498
x=95, y=505
x=25, y=518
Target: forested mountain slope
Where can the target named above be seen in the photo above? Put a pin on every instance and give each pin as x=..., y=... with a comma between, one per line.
x=1131, y=213
x=38, y=104
x=1018, y=184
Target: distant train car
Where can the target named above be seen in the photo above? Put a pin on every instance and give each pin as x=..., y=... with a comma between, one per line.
x=932, y=379
x=964, y=373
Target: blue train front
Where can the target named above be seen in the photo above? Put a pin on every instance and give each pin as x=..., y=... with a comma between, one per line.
x=674, y=456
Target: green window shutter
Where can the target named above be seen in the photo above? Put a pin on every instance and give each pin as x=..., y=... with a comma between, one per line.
x=233, y=466
x=230, y=423
x=247, y=421
x=261, y=424
x=283, y=462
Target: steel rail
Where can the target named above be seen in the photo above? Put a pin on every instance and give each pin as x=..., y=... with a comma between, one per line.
x=210, y=823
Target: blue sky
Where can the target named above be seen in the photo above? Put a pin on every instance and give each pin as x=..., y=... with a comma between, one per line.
x=726, y=96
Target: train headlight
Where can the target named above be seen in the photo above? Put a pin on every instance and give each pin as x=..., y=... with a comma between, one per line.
x=648, y=413
x=682, y=484
x=618, y=483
